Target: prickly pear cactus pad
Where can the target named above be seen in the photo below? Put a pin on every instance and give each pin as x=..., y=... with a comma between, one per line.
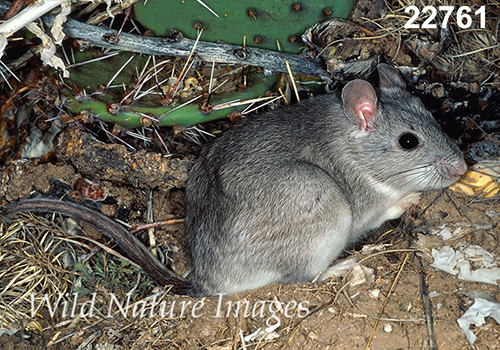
x=261, y=22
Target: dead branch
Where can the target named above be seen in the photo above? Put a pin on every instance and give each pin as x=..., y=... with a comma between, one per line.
x=178, y=46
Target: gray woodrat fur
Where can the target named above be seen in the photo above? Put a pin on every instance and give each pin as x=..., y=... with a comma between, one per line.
x=280, y=195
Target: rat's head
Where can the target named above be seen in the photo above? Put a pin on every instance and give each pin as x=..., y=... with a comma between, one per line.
x=397, y=139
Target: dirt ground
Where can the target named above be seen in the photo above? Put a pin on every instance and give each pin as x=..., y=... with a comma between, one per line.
x=333, y=314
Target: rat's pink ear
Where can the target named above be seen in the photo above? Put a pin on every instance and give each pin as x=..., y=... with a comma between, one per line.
x=360, y=104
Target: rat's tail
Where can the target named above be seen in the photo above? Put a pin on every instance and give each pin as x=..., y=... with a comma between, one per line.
x=128, y=242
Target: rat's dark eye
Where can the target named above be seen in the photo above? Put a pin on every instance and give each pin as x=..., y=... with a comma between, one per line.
x=408, y=141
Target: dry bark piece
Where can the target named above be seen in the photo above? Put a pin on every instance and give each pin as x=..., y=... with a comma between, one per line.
x=113, y=162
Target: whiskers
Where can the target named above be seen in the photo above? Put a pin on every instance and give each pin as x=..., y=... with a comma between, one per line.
x=381, y=191
x=420, y=178
x=431, y=175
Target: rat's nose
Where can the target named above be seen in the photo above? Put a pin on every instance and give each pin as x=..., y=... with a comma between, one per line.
x=459, y=169
x=454, y=169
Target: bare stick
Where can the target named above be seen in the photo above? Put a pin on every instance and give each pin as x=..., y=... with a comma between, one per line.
x=181, y=47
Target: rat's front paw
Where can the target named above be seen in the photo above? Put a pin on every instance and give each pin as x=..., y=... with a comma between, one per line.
x=403, y=205
x=409, y=200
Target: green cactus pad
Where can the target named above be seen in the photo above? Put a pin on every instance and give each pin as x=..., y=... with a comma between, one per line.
x=261, y=22
x=93, y=74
